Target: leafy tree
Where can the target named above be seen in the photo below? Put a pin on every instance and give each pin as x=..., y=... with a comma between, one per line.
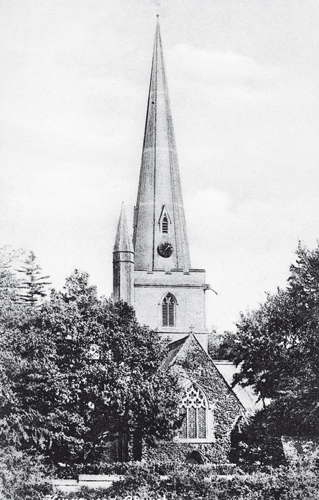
x=277, y=349
x=33, y=283
x=82, y=373
x=257, y=440
x=221, y=346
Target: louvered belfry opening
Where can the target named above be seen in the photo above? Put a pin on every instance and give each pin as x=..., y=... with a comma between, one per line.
x=165, y=224
x=169, y=310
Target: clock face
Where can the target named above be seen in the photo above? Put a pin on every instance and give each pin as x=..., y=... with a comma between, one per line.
x=165, y=249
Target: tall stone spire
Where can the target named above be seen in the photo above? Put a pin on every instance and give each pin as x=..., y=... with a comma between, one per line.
x=158, y=281
x=159, y=218
x=123, y=262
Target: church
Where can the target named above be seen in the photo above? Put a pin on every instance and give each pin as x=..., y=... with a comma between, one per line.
x=152, y=272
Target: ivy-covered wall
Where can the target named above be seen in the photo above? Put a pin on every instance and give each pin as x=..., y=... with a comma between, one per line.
x=192, y=363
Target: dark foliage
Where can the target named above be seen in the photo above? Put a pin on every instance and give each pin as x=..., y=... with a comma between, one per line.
x=32, y=284
x=202, y=483
x=22, y=476
x=77, y=374
x=277, y=349
x=221, y=346
x=257, y=441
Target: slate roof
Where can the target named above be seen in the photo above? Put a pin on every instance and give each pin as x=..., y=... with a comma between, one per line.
x=173, y=350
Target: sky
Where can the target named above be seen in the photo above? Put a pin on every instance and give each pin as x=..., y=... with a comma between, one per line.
x=243, y=82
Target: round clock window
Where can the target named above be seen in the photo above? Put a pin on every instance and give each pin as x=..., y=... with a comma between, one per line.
x=165, y=249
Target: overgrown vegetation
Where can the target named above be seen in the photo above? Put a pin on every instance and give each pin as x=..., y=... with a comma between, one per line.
x=22, y=476
x=203, y=482
x=78, y=373
x=277, y=350
x=80, y=380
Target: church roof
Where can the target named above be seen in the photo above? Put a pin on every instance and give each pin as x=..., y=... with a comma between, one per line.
x=226, y=370
x=173, y=350
x=159, y=183
x=123, y=241
x=246, y=395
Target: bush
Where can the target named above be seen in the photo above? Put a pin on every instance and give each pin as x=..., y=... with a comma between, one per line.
x=257, y=441
x=71, y=471
x=22, y=477
x=189, y=482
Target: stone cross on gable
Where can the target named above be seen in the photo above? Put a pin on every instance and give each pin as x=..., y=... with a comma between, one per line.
x=192, y=328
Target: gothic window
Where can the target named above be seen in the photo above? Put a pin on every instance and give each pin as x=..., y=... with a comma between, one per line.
x=165, y=224
x=169, y=310
x=194, y=405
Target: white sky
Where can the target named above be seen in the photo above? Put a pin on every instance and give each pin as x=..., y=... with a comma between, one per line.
x=243, y=80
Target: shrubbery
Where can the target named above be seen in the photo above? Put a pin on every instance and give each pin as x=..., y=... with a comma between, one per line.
x=201, y=482
x=148, y=468
x=22, y=477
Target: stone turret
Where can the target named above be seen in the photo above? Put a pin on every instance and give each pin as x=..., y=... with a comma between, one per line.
x=123, y=263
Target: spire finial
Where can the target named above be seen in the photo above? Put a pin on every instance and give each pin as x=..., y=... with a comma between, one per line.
x=158, y=6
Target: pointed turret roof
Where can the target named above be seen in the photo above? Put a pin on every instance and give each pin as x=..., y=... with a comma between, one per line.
x=123, y=241
x=159, y=184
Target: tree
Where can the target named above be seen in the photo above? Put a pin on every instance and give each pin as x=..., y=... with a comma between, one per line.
x=33, y=284
x=9, y=285
x=82, y=373
x=221, y=346
x=277, y=349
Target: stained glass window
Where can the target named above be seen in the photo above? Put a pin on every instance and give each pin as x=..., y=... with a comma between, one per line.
x=201, y=423
x=195, y=421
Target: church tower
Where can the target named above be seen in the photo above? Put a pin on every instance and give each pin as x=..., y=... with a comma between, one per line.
x=154, y=275
x=169, y=296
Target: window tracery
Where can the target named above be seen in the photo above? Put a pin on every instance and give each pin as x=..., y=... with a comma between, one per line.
x=169, y=310
x=194, y=405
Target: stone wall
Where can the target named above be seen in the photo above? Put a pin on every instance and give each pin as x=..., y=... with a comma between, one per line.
x=188, y=289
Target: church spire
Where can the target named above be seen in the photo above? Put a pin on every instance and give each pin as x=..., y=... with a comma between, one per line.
x=160, y=238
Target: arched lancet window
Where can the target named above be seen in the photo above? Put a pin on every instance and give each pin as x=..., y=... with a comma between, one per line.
x=169, y=310
x=165, y=224
x=194, y=404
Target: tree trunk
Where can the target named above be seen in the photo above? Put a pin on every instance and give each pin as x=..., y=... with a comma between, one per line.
x=137, y=445
x=123, y=447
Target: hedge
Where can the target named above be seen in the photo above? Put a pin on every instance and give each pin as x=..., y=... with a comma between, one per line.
x=72, y=471
x=201, y=483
